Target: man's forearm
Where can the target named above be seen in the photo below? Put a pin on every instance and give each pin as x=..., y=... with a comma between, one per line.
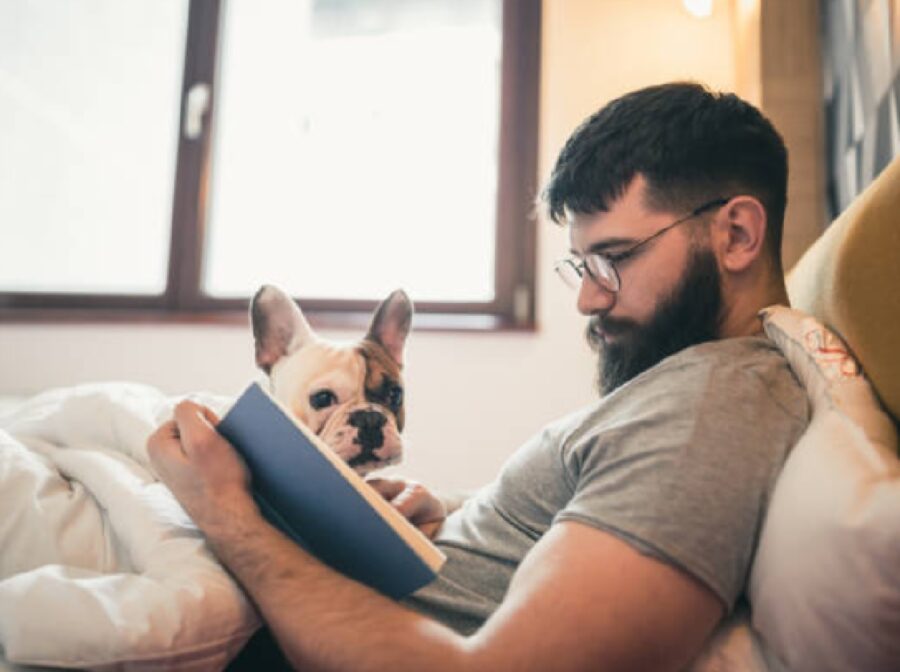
x=322, y=619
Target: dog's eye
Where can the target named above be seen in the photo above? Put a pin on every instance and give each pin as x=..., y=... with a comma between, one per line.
x=322, y=399
x=395, y=397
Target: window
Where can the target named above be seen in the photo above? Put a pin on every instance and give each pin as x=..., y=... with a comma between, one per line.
x=340, y=148
x=85, y=201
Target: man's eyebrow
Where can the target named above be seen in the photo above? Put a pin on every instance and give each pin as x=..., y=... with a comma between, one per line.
x=602, y=246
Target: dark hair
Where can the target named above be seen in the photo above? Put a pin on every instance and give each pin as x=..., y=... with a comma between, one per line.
x=692, y=145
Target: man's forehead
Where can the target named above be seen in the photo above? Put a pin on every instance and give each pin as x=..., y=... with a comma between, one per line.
x=576, y=225
x=619, y=224
x=598, y=230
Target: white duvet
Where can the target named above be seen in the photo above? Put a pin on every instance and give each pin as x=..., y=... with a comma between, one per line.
x=99, y=566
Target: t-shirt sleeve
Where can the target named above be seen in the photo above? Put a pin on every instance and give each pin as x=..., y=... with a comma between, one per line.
x=686, y=474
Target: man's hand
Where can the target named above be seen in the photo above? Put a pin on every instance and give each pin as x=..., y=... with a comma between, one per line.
x=414, y=501
x=202, y=469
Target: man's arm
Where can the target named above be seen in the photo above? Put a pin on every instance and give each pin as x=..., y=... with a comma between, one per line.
x=582, y=599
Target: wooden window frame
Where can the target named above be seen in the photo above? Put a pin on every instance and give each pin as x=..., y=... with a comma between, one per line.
x=183, y=302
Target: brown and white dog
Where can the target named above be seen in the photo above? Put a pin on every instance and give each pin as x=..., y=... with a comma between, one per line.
x=350, y=395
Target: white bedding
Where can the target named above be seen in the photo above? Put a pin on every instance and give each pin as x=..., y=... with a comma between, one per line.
x=100, y=567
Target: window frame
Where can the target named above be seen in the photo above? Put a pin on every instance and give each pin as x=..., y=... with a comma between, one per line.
x=513, y=307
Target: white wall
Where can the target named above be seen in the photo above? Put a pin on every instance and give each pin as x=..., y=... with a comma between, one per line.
x=472, y=398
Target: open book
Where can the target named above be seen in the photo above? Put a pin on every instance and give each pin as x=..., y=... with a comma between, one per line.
x=309, y=493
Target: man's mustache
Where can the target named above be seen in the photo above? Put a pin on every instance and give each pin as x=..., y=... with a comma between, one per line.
x=603, y=324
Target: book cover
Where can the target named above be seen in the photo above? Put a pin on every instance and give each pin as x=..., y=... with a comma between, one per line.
x=309, y=493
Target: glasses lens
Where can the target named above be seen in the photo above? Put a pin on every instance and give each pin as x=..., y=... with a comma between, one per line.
x=602, y=271
x=567, y=270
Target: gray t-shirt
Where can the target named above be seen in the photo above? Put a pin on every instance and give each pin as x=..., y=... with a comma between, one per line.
x=680, y=462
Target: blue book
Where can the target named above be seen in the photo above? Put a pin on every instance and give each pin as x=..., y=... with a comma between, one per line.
x=309, y=493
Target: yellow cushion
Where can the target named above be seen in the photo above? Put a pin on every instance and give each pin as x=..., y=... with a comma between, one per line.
x=850, y=280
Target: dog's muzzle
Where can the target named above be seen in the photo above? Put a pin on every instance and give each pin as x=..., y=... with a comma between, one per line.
x=369, y=425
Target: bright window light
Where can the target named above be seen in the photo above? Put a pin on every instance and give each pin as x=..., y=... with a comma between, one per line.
x=699, y=8
x=356, y=151
x=88, y=139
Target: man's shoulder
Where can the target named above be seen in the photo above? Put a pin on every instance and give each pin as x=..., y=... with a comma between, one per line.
x=730, y=359
x=720, y=374
x=734, y=380
x=738, y=353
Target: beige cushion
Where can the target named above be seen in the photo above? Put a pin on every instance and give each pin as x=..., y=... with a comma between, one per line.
x=850, y=280
x=825, y=583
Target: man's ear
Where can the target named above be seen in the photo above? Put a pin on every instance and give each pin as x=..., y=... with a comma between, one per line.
x=279, y=327
x=391, y=323
x=740, y=233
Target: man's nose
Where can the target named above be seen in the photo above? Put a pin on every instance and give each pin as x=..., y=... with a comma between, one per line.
x=594, y=298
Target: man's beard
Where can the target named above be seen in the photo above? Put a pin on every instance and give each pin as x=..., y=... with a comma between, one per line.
x=688, y=316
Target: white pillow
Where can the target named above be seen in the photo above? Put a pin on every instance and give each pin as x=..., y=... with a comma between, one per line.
x=825, y=583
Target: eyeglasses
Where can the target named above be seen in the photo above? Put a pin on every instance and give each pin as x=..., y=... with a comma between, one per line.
x=601, y=268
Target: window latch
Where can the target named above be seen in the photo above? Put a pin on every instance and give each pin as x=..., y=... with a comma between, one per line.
x=196, y=105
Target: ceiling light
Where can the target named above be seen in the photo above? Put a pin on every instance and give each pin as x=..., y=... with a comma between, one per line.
x=699, y=8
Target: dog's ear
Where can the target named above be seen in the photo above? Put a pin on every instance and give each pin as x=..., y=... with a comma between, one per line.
x=279, y=327
x=391, y=323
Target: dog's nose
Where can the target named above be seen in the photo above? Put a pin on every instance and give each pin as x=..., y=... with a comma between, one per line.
x=369, y=424
x=367, y=419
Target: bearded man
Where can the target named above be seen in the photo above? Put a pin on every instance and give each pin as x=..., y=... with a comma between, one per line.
x=620, y=536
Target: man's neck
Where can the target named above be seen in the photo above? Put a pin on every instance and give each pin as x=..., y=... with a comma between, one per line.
x=741, y=315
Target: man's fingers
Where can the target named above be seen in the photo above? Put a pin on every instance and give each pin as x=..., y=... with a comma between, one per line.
x=388, y=488
x=195, y=425
x=163, y=437
x=418, y=504
x=164, y=446
x=408, y=497
x=189, y=410
x=409, y=502
x=413, y=501
x=167, y=430
x=209, y=414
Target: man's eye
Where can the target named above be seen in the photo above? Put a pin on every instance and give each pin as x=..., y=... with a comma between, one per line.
x=322, y=399
x=395, y=397
x=615, y=257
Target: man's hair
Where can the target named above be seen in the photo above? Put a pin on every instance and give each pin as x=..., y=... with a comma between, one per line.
x=692, y=145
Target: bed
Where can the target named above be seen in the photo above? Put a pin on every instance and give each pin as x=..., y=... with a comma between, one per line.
x=824, y=590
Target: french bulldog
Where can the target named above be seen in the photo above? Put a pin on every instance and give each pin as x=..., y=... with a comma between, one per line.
x=350, y=395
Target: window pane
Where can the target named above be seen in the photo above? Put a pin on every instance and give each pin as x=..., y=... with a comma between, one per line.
x=89, y=98
x=356, y=149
